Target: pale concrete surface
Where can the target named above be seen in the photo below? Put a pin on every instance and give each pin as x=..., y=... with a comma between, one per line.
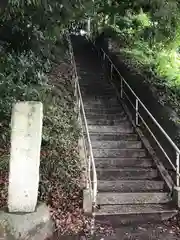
x=87, y=201
x=28, y=226
x=146, y=232
x=84, y=175
x=25, y=156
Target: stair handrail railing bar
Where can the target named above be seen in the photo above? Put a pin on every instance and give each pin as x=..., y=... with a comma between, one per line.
x=91, y=162
x=138, y=103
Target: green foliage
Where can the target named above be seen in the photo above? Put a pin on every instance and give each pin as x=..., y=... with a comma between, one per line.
x=21, y=75
x=149, y=35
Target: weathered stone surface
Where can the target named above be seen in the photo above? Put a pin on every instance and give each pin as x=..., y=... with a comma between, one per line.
x=28, y=226
x=145, y=232
x=114, y=153
x=25, y=156
x=82, y=155
x=87, y=201
x=115, y=198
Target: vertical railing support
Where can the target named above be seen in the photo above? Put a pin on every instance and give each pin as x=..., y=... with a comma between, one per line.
x=79, y=109
x=104, y=56
x=177, y=169
x=137, y=112
x=89, y=169
x=111, y=72
x=121, y=95
x=89, y=26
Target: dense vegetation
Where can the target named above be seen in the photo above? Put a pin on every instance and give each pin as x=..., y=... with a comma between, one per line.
x=148, y=34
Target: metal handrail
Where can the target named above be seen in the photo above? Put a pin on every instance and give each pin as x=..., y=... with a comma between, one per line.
x=91, y=162
x=136, y=107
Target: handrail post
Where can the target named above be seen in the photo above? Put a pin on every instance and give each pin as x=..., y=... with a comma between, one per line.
x=104, y=60
x=121, y=95
x=89, y=167
x=137, y=112
x=75, y=87
x=111, y=71
x=104, y=56
x=79, y=109
x=177, y=169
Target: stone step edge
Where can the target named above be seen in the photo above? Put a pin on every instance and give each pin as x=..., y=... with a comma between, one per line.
x=122, y=149
x=109, y=134
x=106, y=114
x=116, y=198
x=126, y=169
x=104, y=184
x=113, y=210
x=123, y=158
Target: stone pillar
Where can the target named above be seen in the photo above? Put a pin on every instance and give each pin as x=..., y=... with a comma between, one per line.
x=26, y=125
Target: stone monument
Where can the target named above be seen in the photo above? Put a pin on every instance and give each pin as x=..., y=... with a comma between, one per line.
x=25, y=219
x=26, y=134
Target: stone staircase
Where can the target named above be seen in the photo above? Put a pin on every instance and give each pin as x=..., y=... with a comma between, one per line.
x=130, y=188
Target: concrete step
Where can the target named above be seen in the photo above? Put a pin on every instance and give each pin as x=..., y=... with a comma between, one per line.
x=89, y=82
x=98, y=92
x=106, y=118
x=90, y=77
x=96, y=73
x=118, y=116
x=87, y=98
x=112, y=110
x=108, y=122
x=142, y=231
x=110, y=198
x=101, y=102
x=104, y=85
x=95, y=87
x=98, y=95
x=123, y=153
x=117, y=144
x=101, y=80
x=117, y=215
x=84, y=70
x=121, y=128
x=130, y=186
x=123, y=162
x=126, y=174
x=113, y=137
x=102, y=105
x=99, y=73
